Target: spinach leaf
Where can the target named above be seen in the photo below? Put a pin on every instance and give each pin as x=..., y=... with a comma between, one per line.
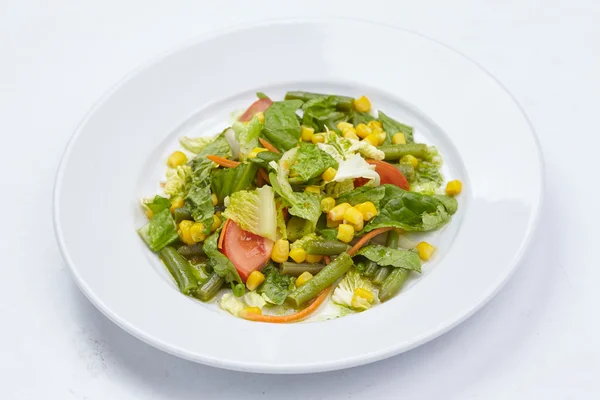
x=200, y=203
x=411, y=211
x=218, y=261
x=391, y=126
x=282, y=128
x=160, y=231
x=363, y=194
x=310, y=163
x=276, y=286
x=158, y=204
x=229, y=180
x=321, y=112
x=393, y=257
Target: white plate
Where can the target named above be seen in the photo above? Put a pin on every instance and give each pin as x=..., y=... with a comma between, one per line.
x=117, y=155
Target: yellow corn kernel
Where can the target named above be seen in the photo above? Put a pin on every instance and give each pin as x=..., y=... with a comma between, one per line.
x=214, y=199
x=176, y=203
x=298, y=255
x=372, y=139
x=184, y=232
x=363, y=130
x=281, y=251
x=255, y=152
x=251, y=310
x=176, y=159
x=327, y=204
x=362, y=104
x=149, y=213
x=337, y=212
x=344, y=125
x=354, y=217
x=313, y=258
x=313, y=189
x=318, y=138
x=307, y=133
x=350, y=133
x=367, y=209
x=218, y=214
x=425, y=251
x=216, y=223
x=254, y=280
x=261, y=117
x=399, y=138
x=375, y=124
x=303, y=278
x=197, y=232
x=333, y=224
x=329, y=174
x=408, y=159
x=381, y=136
x=365, y=294
x=345, y=233
x=454, y=187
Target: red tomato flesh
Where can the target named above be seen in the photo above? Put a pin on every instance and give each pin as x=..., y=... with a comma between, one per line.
x=388, y=174
x=248, y=252
x=259, y=105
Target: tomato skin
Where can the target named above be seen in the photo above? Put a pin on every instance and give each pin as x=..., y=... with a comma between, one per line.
x=388, y=174
x=246, y=251
x=259, y=105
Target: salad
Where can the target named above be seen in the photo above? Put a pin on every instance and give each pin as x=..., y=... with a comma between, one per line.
x=298, y=203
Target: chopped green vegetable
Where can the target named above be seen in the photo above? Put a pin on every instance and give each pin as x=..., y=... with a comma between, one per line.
x=276, y=286
x=218, y=261
x=200, y=202
x=310, y=163
x=180, y=270
x=160, y=231
x=247, y=135
x=383, y=255
x=282, y=128
x=254, y=211
x=225, y=181
x=157, y=204
x=336, y=189
x=343, y=103
x=392, y=127
x=229, y=302
x=178, y=180
x=195, y=145
x=344, y=292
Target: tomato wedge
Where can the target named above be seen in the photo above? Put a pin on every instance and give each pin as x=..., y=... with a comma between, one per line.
x=248, y=252
x=388, y=174
x=259, y=105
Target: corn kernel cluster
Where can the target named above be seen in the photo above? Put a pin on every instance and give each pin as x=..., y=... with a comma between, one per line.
x=347, y=219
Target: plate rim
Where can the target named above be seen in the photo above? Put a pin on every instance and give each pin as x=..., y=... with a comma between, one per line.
x=303, y=368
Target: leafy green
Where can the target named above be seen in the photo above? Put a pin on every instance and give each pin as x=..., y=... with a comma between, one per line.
x=201, y=166
x=276, y=286
x=298, y=227
x=157, y=204
x=321, y=113
x=361, y=118
x=254, y=211
x=200, y=203
x=342, y=149
x=391, y=127
x=383, y=255
x=302, y=242
x=310, y=163
x=261, y=95
x=225, y=181
x=195, y=145
x=282, y=128
x=229, y=302
x=336, y=189
x=178, y=181
x=218, y=261
x=410, y=211
x=427, y=178
x=247, y=135
x=160, y=231
x=281, y=228
x=303, y=204
x=363, y=194
x=344, y=292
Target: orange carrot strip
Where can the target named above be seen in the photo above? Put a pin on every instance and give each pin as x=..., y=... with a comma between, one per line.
x=222, y=237
x=268, y=145
x=279, y=319
x=223, y=162
x=263, y=174
x=363, y=240
x=327, y=259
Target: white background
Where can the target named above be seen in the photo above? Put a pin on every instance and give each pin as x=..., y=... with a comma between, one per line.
x=538, y=339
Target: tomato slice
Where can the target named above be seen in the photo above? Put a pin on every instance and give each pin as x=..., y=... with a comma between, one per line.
x=388, y=174
x=259, y=105
x=248, y=252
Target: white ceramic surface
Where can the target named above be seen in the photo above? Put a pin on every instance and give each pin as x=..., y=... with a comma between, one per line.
x=114, y=152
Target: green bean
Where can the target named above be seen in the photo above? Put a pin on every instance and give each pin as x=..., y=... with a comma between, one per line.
x=190, y=251
x=393, y=283
x=210, y=288
x=297, y=228
x=326, y=247
x=392, y=239
x=294, y=269
x=180, y=270
x=395, y=152
x=381, y=274
x=370, y=269
x=200, y=271
x=325, y=278
x=342, y=103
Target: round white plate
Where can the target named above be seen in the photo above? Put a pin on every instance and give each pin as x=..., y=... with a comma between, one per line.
x=118, y=152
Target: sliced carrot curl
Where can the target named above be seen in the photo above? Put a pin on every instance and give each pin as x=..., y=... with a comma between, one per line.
x=223, y=162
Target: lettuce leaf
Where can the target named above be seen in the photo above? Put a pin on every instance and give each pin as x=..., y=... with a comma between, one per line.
x=363, y=194
x=391, y=127
x=218, y=261
x=157, y=204
x=225, y=181
x=160, y=231
x=344, y=292
x=195, y=145
x=383, y=255
x=276, y=286
x=178, y=180
x=200, y=202
x=247, y=135
x=254, y=211
x=282, y=128
x=336, y=189
x=310, y=163
x=321, y=113
x=427, y=178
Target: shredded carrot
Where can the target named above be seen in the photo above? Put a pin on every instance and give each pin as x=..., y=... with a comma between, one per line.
x=223, y=162
x=363, y=240
x=260, y=181
x=278, y=319
x=263, y=174
x=327, y=259
x=268, y=145
x=222, y=237
x=163, y=184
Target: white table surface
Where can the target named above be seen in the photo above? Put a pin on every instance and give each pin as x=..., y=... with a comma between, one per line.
x=539, y=338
